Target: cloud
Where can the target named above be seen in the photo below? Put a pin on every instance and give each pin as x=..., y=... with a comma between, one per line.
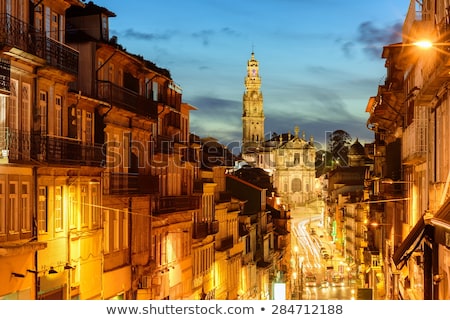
x=207, y=34
x=219, y=118
x=131, y=33
x=373, y=38
x=204, y=36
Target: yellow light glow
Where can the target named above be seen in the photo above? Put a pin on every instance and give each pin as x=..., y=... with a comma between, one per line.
x=425, y=44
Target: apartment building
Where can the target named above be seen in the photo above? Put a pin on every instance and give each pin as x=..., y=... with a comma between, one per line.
x=409, y=116
x=104, y=193
x=40, y=164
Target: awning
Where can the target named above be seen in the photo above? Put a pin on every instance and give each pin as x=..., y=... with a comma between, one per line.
x=441, y=224
x=409, y=244
x=371, y=104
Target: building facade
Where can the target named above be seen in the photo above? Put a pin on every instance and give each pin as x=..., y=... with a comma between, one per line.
x=409, y=116
x=104, y=193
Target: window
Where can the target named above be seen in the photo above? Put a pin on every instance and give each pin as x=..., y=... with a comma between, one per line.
x=79, y=124
x=116, y=227
x=38, y=18
x=95, y=207
x=296, y=185
x=54, y=26
x=13, y=207
x=47, y=21
x=13, y=109
x=84, y=206
x=26, y=107
x=106, y=227
x=58, y=209
x=25, y=207
x=58, y=116
x=155, y=91
x=125, y=229
x=42, y=209
x=105, y=32
x=89, y=127
x=43, y=112
x=72, y=207
x=296, y=158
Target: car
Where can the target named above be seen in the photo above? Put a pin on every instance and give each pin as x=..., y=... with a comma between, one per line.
x=324, y=284
x=310, y=280
x=338, y=280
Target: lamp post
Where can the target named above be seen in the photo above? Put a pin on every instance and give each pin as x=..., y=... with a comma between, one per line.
x=297, y=275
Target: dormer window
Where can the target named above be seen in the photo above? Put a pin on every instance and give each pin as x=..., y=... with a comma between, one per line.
x=105, y=29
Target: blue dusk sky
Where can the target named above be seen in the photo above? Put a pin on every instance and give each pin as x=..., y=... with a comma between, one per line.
x=320, y=61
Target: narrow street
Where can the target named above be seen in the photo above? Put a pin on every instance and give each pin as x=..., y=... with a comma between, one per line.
x=321, y=270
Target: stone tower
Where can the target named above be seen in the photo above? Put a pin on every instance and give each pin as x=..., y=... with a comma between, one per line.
x=252, y=109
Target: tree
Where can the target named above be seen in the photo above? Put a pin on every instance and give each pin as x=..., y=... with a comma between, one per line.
x=338, y=142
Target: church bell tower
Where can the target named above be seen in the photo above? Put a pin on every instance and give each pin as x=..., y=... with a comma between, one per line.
x=252, y=109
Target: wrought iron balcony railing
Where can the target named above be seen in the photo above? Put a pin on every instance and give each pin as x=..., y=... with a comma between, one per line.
x=62, y=150
x=130, y=183
x=17, y=34
x=15, y=144
x=225, y=243
x=204, y=228
x=177, y=204
x=126, y=99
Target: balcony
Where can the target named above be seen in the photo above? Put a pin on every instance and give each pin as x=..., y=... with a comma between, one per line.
x=130, y=183
x=205, y=228
x=62, y=150
x=126, y=99
x=177, y=204
x=225, y=243
x=414, y=146
x=14, y=145
x=22, y=40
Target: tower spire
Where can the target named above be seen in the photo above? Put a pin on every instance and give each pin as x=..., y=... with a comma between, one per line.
x=252, y=108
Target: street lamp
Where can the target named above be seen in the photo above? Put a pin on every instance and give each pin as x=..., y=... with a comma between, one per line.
x=390, y=181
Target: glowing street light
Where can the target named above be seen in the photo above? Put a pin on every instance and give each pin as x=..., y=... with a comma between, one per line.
x=425, y=44
x=390, y=181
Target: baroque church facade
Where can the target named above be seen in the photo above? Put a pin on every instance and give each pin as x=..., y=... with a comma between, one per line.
x=288, y=158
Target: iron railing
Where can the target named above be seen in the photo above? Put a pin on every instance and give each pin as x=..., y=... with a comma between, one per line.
x=62, y=150
x=126, y=99
x=15, y=33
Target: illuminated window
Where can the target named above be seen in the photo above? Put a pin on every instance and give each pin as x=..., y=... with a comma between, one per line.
x=72, y=207
x=95, y=205
x=25, y=207
x=58, y=209
x=58, y=116
x=43, y=112
x=116, y=228
x=106, y=226
x=13, y=207
x=84, y=208
x=42, y=209
x=125, y=228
